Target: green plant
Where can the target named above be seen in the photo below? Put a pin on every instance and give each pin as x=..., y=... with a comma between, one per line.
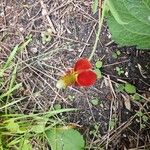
x=119, y=70
x=94, y=101
x=129, y=22
x=127, y=87
x=20, y=128
x=46, y=36
x=131, y=89
x=98, y=66
x=65, y=138
x=113, y=123
x=19, y=47
x=12, y=85
x=71, y=97
x=136, y=97
x=116, y=54
x=95, y=131
x=142, y=119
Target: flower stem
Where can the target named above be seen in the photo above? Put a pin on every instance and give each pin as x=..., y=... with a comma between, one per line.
x=101, y=19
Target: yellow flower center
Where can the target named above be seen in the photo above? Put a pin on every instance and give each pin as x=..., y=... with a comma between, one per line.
x=67, y=80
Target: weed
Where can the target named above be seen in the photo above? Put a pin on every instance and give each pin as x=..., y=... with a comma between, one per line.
x=113, y=123
x=119, y=70
x=97, y=69
x=46, y=36
x=142, y=119
x=95, y=102
x=116, y=54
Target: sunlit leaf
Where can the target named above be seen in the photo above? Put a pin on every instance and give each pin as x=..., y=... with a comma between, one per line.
x=136, y=15
x=65, y=139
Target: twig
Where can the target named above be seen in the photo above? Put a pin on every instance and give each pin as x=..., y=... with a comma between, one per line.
x=45, y=13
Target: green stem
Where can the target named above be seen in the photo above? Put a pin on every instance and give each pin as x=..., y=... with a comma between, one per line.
x=101, y=19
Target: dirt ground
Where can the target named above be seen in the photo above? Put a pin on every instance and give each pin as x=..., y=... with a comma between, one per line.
x=72, y=27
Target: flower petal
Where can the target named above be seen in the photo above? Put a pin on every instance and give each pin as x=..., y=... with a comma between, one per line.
x=86, y=78
x=82, y=64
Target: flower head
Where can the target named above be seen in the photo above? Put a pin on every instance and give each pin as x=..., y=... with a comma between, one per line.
x=80, y=75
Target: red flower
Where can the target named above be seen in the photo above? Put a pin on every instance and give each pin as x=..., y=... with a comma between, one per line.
x=80, y=75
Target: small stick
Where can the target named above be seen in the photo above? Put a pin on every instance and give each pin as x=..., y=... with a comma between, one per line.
x=45, y=13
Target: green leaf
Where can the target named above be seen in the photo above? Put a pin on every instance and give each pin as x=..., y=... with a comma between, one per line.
x=136, y=97
x=57, y=106
x=139, y=114
x=40, y=126
x=46, y=36
x=99, y=64
x=145, y=118
x=94, y=102
x=131, y=89
x=140, y=9
x=25, y=145
x=136, y=32
x=118, y=53
x=12, y=126
x=119, y=71
x=114, y=12
x=94, y=6
x=65, y=139
x=112, y=123
x=114, y=55
x=98, y=73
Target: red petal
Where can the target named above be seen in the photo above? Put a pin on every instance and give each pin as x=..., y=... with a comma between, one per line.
x=86, y=78
x=82, y=64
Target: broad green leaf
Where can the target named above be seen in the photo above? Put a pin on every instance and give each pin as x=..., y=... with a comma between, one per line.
x=25, y=145
x=131, y=89
x=124, y=37
x=95, y=6
x=65, y=139
x=137, y=31
x=114, y=12
x=132, y=24
x=140, y=9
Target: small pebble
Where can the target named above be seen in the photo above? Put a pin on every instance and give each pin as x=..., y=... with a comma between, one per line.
x=34, y=50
